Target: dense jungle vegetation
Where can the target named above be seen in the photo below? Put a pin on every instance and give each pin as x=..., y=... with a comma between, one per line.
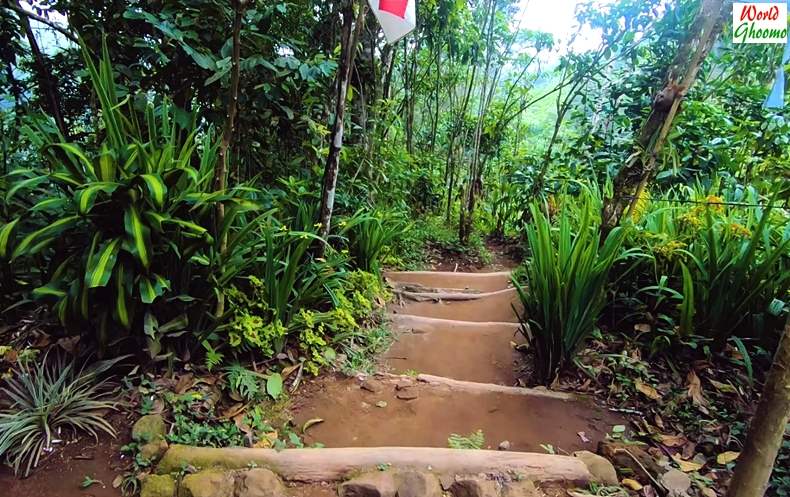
x=163, y=194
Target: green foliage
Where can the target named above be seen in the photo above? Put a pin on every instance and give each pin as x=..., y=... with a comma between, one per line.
x=474, y=440
x=567, y=276
x=369, y=233
x=47, y=398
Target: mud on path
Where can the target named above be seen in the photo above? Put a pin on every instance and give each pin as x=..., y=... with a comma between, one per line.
x=461, y=326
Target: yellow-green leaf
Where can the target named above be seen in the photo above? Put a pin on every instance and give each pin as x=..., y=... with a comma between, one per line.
x=39, y=239
x=5, y=237
x=85, y=197
x=139, y=237
x=101, y=265
x=157, y=190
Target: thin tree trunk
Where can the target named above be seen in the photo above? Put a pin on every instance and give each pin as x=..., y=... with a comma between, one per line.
x=767, y=428
x=221, y=171
x=46, y=81
x=633, y=177
x=331, y=169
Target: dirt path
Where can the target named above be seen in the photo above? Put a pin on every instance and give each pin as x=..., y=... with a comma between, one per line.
x=461, y=326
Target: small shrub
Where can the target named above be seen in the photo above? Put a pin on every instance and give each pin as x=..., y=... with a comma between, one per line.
x=567, y=276
x=48, y=397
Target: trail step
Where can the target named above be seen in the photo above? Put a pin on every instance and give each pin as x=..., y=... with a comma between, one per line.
x=483, y=282
x=486, y=307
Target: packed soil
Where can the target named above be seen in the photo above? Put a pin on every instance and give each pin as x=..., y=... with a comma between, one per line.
x=62, y=473
x=488, y=350
x=487, y=307
x=355, y=417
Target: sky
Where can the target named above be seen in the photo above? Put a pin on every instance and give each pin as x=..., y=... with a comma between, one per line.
x=558, y=18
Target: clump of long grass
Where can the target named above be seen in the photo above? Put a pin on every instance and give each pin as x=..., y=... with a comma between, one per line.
x=567, y=275
x=47, y=398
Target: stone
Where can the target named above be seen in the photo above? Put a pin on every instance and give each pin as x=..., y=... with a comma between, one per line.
x=521, y=489
x=208, y=483
x=153, y=451
x=474, y=487
x=158, y=486
x=371, y=385
x=418, y=484
x=408, y=394
x=601, y=469
x=259, y=482
x=446, y=481
x=633, y=456
x=504, y=445
x=403, y=384
x=149, y=428
x=374, y=484
x=676, y=482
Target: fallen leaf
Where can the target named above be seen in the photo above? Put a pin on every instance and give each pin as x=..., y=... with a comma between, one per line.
x=673, y=440
x=184, y=383
x=727, y=457
x=618, y=429
x=583, y=437
x=723, y=387
x=686, y=466
x=232, y=411
x=647, y=390
x=632, y=484
x=643, y=328
x=648, y=491
x=311, y=422
x=117, y=482
x=695, y=389
x=708, y=492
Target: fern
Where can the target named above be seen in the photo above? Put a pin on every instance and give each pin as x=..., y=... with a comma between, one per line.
x=244, y=381
x=213, y=356
x=474, y=440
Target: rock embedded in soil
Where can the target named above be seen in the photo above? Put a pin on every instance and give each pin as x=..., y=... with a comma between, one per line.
x=676, y=482
x=504, y=445
x=408, y=394
x=259, y=482
x=418, y=484
x=521, y=489
x=371, y=385
x=474, y=487
x=158, y=486
x=153, y=451
x=149, y=428
x=602, y=470
x=208, y=483
x=376, y=484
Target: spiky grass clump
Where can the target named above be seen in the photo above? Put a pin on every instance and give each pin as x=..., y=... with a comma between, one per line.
x=47, y=398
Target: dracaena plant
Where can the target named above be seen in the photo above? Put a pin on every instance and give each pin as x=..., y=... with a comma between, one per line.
x=123, y=230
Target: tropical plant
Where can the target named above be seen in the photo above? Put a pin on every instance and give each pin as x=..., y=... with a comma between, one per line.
x=567, y=275
x=123, y=232
x=50, y=396
x=369, y=233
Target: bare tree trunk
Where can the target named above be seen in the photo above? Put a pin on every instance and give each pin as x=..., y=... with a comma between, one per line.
x=347, y=52
x=221, y=171
x=46, y=81
x=766, y=429
x=634, y=176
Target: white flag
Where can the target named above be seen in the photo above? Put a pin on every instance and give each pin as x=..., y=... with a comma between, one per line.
x=397, y=17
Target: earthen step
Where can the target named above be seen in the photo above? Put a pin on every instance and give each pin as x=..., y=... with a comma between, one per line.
x=372, y=413
x=481, y=352
x=485, y=307
x=483, y=282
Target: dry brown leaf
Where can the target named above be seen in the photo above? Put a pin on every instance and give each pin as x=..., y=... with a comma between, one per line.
x=695, y=389
x=727, y=457
x=686, y=466
x=184, y=383
x=232, y=411
x=643, y=327
x=632, y=484
x=708, y=492
x=673, y=440
x=647, y=390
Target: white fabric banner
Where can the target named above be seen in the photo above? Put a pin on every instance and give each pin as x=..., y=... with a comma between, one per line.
x=396, y=17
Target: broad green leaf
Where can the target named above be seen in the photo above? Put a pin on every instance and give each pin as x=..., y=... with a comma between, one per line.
x=122, y=300
x=36, y=241
x=82, y=159
x=101, y=265
x=5, y=237
x=151, y=288
x=24, y=185
x=157, y=189
x=274, y=385
x=139, y=238
x=86, y=197
x=49, y=290
x=107, y=170
x=54, y=203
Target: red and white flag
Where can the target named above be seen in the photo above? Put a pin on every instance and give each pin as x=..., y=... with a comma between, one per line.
x=397, y=17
